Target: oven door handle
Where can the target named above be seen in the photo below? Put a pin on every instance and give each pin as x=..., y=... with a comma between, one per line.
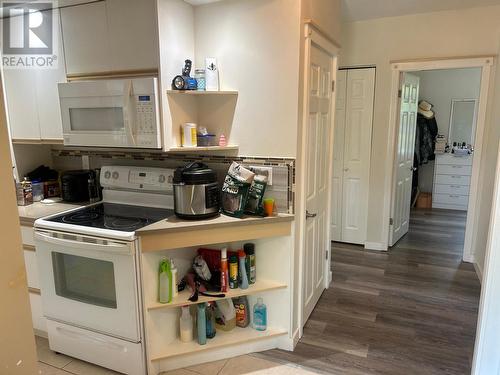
x=98, y=340
x=110, y=247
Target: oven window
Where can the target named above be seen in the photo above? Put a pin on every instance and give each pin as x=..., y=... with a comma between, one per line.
x=85, y=280
x=96, y=119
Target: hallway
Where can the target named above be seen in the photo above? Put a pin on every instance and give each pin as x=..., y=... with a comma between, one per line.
x=412, y=310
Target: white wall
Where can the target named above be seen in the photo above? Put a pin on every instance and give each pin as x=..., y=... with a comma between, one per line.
x=466, y=32
x=256, y=43
x=439, y=87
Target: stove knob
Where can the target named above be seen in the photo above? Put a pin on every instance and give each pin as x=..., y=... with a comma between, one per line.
x=161, y=179
x=107, y=174
x=115, y=175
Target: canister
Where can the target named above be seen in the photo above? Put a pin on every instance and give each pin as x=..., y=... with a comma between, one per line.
x=188, y=134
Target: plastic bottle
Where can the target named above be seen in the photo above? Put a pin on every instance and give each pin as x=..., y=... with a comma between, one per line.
x=186, y=325
x=242, y=270
x=224, y=275
x=242, y=311
x=260, y=315
x=201, y=323
x=210, y=318
x=250, y=262
x=175, y=281
x=233, y=271
x=225, y=315
x=165, y=282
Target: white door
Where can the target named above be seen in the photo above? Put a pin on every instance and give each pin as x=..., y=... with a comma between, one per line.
x=401, y=200
x=318, y=132
x=338, y=155
x=353, y=141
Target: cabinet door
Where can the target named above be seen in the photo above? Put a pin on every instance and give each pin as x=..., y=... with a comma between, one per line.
x=85, y=37
x=133, y=34
x=20, y=89
x=47, y=96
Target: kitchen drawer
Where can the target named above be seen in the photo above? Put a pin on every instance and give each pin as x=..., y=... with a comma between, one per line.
x=31, y=269
x=27, y=235
x=454, y=160
x=462, y=170
x=448, y=179
x=454, y=199
x=39, y=321
x=451, y=189
x=449, y=206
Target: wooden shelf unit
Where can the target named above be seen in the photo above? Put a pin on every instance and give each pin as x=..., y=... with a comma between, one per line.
x=221, y=339
x=260, y=286
x=196, y=92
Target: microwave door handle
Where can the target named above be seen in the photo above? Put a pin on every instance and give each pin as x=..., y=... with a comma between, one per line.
x=128, y=112
x=109, y=247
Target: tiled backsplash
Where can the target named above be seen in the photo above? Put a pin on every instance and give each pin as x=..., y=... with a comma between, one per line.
x=282, y=188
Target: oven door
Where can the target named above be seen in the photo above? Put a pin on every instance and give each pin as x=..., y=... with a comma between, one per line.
x=89, y=282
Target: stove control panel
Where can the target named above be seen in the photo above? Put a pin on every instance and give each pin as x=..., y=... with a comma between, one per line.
x=137, y=178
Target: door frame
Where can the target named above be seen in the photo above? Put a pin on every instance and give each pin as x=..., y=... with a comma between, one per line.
x=312, y=36
x=397, y=68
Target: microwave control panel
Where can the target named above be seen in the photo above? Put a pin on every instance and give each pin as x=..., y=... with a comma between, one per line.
x=147, y=119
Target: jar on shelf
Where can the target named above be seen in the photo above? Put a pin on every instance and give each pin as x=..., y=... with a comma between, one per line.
x=199, y=74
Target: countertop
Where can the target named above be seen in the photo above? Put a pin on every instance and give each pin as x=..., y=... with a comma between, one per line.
x=28, y=214
x=174, y=224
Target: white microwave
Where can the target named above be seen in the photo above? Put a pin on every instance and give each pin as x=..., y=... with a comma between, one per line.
x=111, y=113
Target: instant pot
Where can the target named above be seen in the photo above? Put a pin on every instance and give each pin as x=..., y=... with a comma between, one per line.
x=196, y=192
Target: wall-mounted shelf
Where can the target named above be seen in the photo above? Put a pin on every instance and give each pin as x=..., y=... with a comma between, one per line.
x=182, y=299
x=222, y=339
x=202, y=93
x=200, y=149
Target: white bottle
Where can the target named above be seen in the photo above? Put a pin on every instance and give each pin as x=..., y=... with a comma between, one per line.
x=173, y=269
x=186, y=325
x=211, y=74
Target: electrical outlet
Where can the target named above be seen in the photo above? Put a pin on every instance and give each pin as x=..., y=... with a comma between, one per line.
x=265, y=168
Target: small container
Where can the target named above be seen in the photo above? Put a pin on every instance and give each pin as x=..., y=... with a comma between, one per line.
x=243, y=277
x=269, y=206
x=260, y=315
x=199, y=74
x=201, y=323
x=24, y=192
x=175, y=281
x=186, y=325
x=224, y=273
x=51, y=189
x=165, y=282
x=242, y=311
x=233, y=271
x=210, y=320
x=225, y=315
x=250, y=262
x=188, y=135
x=37, y=191
x=206, y=140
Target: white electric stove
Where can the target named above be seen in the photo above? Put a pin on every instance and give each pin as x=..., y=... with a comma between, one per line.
x=89, y=269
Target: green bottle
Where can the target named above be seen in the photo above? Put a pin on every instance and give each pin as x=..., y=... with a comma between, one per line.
x=165, y=282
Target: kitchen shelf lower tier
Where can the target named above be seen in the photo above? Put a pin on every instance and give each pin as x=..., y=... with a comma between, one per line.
x=222, y=339
x=260, y=286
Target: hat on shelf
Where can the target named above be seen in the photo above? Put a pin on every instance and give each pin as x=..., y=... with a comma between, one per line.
x=424, y=108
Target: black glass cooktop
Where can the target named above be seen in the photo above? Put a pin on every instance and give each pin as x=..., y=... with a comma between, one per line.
x=114, y=216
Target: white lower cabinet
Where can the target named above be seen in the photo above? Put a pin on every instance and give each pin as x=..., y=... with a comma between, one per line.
x=39, y=321
x=451, y=184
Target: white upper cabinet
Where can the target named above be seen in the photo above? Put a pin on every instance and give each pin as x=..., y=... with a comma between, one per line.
x=33, y=101
x=85, y=38
x=133, y=32
x=113, y=35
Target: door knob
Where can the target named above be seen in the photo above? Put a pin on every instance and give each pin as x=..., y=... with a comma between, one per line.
x=309, y=215
x=346, y=169
x=413, y=169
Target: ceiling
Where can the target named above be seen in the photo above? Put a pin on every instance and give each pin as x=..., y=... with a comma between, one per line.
x=358, y=10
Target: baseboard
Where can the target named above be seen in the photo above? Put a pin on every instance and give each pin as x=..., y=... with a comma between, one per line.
x=296, y=337
x=375, y=246
x=479, y=271
x=469, y=258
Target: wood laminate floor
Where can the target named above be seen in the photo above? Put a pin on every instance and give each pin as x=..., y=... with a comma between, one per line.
x=411, y=310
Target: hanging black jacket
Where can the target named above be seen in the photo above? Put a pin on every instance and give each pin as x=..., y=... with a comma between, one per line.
x=425, y=139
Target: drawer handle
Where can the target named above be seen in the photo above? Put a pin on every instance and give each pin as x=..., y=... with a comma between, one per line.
x=457, y=166
x=454, y=196
x=456, y=176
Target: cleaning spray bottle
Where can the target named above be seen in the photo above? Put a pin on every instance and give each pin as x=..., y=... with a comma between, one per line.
x=165, y=282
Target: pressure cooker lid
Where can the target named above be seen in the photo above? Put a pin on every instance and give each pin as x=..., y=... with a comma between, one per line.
x=195, y=173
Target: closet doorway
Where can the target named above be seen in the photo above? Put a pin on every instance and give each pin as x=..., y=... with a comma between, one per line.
x=351, y=154
x=446, y=148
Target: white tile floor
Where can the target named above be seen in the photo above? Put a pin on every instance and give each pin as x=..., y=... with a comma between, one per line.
x=51, y=363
